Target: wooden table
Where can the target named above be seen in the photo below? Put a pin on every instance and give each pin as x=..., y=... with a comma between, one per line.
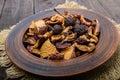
x=12, y=11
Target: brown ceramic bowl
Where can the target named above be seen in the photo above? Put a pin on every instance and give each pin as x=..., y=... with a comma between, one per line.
x=105, y=48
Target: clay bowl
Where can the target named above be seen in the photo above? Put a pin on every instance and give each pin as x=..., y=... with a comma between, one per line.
x=105, y=48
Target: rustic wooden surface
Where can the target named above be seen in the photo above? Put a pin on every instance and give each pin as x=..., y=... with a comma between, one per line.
x=12, y=11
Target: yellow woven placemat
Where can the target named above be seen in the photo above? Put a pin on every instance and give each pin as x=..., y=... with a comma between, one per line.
x=108, y=71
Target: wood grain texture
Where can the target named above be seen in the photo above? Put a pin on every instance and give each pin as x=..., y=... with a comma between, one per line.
x=46, y=4
x=2, y=2
x=14, y=11
x=113, y=8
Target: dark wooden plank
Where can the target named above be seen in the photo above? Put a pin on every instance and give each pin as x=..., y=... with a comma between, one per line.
x=109, y=8
x=112, y=7
x=95, y=5
x=14, y=11
x=46, y=4
x=2, y=73
x=1, y=6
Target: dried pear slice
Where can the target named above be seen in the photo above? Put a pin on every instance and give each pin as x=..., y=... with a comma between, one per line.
x=89, y=48
x=93, y=40
x=36, y=51
x=57, y=17
x=40, y=23
x=82, y=47
x=97, y=28
x=47, y=48
x=90, y=33
x=32, y=28
x=33, y=25
x=69, y=37
x=30, y=40
x=48, y=34
x=68, y=52
x=67, y=29
x=36, y=44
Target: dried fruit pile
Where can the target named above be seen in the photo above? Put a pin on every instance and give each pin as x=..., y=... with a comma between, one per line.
x=62, y=37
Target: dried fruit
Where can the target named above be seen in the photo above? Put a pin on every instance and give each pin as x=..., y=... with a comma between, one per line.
x=36, y=44
x=85, y=21
x=49, y=28
x=57, y=29
x=55, y=38
x=62, y=37
x=80, y=29
x=47, y=48
x=89, y=48
x=48, y=34
x=82, y=41
x=35, y=51
x=69, y=37
x=40, y=23
x=69, y=21
x=42, y=30
x=67, y=29
x=60, y=45
x=30, y=40
x=32, y=28
x=56, y=56
x=57, y=17
x=97, y=28
x=69, y=52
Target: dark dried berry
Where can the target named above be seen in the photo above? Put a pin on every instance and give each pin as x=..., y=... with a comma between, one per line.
x=42, y=30
x=35, y=36
x=70, y=32
x=65, y=34
x=70, y=41
x=49, y=28
x=87, y=35
x=77, y=53
x=80, y=29
x=56, y=56
x=57, y=29
x=81, y=41
x=62, y=45
x=69, y=21
x=29, y=48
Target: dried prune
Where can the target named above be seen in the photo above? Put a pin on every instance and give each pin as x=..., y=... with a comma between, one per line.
x=69, y=21
x=42, y=30
x=57, y=29
x=29, y=48
x=81, y=41
x=60, y=45
x=77, y=53
x=49, y=28
x=80, y=29
x=87, y=35
x=56, y=56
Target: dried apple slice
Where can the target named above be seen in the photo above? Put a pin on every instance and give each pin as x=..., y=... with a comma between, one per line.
x=36, y=44
x=40, y=23
x=84, y=48
x=32, y=28
x=68, y=52
x=36, y=51
x=47, y=48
